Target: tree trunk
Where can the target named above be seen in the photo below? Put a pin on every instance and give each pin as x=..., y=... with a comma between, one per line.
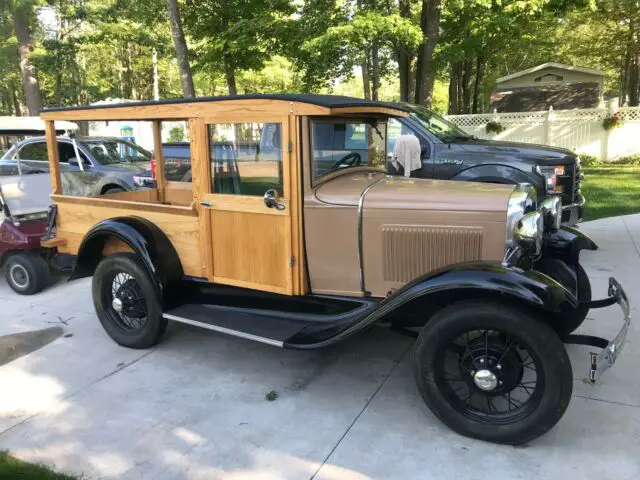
x=453, y=90
x=624, y=76
x=634, y=82
x=16, y=99
x=466, y=86
x=230, y=75
x=478, y=84
x=156, y=77
x=366, y=81
x=182, y=52
x=28, y=71
x=425, y=73
x=404, y=58
x=375, y=72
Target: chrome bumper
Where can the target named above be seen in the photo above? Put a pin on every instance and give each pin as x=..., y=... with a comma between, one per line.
x=603, y=360
x=573, y=213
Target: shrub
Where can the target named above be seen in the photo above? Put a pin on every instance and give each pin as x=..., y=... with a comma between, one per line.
x=628, y=160
x=587, y=160
x=494, y=127
x=611, y=121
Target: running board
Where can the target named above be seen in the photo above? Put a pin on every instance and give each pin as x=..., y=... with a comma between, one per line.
x=272, y=327
x=228, y=331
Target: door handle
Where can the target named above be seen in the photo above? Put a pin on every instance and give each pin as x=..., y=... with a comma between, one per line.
x=206, y=203
x=271, y=200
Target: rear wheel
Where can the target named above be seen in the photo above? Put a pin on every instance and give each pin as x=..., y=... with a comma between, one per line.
x=27, y=273
x=493, y=372
x=126, y=301
x=109, y=190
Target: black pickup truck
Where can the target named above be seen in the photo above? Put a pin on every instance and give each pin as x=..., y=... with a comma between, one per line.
x=450, y=153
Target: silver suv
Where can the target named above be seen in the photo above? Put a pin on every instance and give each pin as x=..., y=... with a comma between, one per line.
x=93, y=166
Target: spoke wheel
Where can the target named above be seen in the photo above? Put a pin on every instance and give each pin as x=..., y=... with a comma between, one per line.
x=490, y=376
x=493, y=371
x=126, y=299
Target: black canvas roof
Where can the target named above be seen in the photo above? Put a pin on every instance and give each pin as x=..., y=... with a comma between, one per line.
x=328, y=101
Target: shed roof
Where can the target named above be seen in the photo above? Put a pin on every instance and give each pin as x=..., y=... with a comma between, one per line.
x=542, y=66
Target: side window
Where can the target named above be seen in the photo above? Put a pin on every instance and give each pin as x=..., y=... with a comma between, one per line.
x=66, y=151
x=34, y=151
x=340, y=144
x=246, y=158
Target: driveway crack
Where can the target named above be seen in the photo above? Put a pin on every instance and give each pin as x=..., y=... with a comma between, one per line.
x=342, y=437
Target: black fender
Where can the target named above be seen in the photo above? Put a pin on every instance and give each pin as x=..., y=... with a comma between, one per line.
x=149, y=242
x=561, y=255
x=414, y=304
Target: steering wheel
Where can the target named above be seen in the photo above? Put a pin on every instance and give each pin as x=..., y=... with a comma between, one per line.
x=349, y=160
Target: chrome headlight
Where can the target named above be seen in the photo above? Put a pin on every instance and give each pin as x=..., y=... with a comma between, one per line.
x=522, y=200
x=551, y=210
x=528, y=235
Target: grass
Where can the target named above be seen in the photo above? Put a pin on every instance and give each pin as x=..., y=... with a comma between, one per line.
x=11, y=467
x=611, y=190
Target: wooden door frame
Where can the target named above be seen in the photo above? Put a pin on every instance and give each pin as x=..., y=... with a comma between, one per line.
x=292, y=193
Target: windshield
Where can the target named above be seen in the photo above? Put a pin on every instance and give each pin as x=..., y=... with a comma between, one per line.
x=441, y=128
x=113, y=151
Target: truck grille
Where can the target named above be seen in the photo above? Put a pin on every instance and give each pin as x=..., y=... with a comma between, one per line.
x=570, y=183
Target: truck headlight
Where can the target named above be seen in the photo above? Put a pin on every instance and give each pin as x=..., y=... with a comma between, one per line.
x=522, y=200
x=551, y=210
x=528, y=234
x=551, y=174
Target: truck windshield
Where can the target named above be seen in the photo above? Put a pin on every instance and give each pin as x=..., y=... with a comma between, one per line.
x=441, y=128
x=113, y=151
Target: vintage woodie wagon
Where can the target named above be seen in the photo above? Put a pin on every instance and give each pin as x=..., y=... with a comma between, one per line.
x=289, y=231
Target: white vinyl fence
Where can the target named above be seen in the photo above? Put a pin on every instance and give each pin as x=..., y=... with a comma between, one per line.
x=578, y=130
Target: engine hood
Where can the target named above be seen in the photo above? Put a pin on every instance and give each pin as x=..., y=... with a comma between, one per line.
x=540, y=154
x=402, y=193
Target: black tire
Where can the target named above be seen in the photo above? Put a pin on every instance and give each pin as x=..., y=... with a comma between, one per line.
x=27, y=273
x=568, y=323
x=124, y=276
x=113, y=190
x=551, y=391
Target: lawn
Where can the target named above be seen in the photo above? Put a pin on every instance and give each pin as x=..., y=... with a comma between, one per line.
x=611, y=191
x=12, y=468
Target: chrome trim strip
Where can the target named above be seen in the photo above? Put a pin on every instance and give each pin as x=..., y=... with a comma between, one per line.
x=360, y=208
x=228, y=331
x=580, y=203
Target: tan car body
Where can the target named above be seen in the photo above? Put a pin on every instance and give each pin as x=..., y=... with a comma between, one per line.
x=408, y=227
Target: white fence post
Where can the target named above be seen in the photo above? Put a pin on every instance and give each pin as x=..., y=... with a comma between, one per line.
x=604, y=154
x=547, y=126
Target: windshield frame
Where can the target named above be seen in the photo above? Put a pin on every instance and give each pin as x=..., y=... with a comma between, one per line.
x=422, y=115
x=86, y=142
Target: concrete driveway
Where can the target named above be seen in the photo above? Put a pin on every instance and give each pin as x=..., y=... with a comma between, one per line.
x=194, y=407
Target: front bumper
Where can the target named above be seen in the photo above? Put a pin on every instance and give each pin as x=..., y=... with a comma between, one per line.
x=603, y=360
x=574, y=212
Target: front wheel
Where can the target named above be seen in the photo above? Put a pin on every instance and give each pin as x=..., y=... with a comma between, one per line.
x=27, y=273
x=493, y=372
x=126, y=301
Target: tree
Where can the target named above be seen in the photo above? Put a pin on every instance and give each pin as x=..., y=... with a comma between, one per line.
x=24, y=20
x=182, y=52
x=425, y=71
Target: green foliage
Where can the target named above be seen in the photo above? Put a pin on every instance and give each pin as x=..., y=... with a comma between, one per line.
x=587, y=160
x=176, y=134
x=611, y=122
x=494, y=127
x=11, y=467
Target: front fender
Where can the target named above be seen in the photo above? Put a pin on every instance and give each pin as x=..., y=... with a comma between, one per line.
x=565, y=244
x=149, y=242
x=419, y=299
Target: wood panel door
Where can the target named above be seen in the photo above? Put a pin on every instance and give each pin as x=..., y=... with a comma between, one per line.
x=252, y=243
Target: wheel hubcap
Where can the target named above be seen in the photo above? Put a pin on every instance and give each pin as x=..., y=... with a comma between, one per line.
x=485, y=380
x=117, y=305
x=19, y=276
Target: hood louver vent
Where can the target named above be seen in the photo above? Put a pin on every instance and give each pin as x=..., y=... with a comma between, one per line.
x=410, y=251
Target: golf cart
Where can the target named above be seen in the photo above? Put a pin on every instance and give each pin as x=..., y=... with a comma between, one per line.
x=24, y=213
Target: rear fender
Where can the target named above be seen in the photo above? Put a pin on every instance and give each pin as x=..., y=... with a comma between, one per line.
x=149, y=242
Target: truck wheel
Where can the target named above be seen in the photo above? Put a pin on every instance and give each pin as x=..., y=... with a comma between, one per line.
x=126, y=301
x=27, y=273
x=493, y=372
x=567, y=323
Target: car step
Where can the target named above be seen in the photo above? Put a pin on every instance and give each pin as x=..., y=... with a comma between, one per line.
x=237, y=322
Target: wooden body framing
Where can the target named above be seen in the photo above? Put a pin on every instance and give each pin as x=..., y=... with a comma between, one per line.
x=228, y=239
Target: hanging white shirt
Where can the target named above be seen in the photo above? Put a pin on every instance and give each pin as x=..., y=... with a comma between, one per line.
x=407, y=154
